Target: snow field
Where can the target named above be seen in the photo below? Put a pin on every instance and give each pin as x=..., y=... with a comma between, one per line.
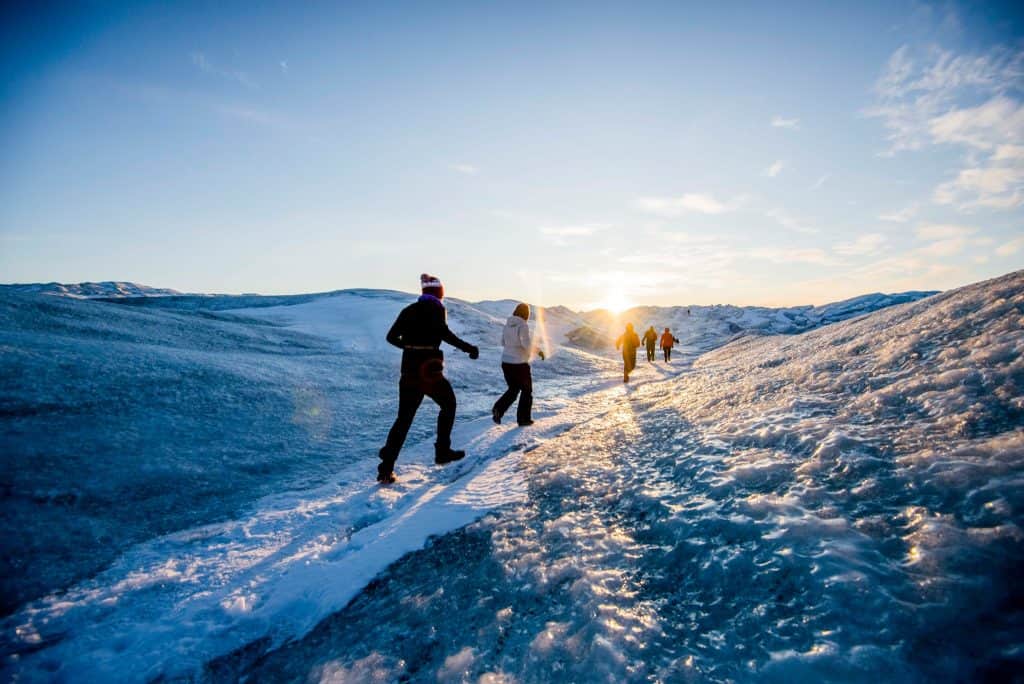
x=825, y=506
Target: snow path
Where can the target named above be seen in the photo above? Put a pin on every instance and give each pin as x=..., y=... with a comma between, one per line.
x=173, y=604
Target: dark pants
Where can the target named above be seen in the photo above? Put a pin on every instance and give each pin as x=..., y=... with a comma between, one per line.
x=411, y=390
x=668, y=353
x=628, y=362
x=650, y=352
x=520, y=383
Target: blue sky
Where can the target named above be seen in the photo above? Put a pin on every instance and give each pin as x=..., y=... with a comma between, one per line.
x=573, y=153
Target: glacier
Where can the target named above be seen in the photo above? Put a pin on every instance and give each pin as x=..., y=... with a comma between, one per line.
x=811, y=494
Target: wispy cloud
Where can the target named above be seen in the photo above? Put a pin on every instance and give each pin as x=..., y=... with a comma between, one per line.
x=945, y=239
x=249, y=114
x=997, y=187
x=781, y=122
x=284, y=65
x=775, y=169
x=204, y=64
x=970, y=101
x=869, y=243
x=901, y=215
x=802, y=255
x=677, y=206
x=790, y=223
x=816, y=185
x=1010, y=248
x=467, y=169
x=562, y=234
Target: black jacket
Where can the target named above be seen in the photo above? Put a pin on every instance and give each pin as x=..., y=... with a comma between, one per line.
x=418, y=332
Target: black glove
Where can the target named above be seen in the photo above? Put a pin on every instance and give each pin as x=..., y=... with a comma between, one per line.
x=474, y=353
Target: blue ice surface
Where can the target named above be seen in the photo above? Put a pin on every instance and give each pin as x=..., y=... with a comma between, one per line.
x=828, y=506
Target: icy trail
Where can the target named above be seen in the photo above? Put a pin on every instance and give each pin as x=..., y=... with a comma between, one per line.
x=171, y=605
x=844, y=505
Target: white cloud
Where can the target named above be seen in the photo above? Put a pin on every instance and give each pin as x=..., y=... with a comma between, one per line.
x=582, y=230
x=775, y=169
x=803, y=255
x=933, y=231
x=999, y=187
x=780, y=122
x=864, y=244
x=205, y=65
x=946, y=239
x=284, y=65
x=816, y=185
x=467, y=169
x=992, y=124
x=790, y=223
x=969, y=101
x=1010, y=248
x=901, y=215
x=562, y=235
x=676, y=206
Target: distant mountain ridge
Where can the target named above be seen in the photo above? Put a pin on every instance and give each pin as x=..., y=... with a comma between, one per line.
x=699, y=327
x=106, y=288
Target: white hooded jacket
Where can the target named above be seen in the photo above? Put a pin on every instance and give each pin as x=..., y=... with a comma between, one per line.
x=516, y=341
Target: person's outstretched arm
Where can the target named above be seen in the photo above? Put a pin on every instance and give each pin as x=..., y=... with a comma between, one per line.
x=451, y=338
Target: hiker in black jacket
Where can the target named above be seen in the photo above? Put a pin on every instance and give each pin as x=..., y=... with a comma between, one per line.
x=418, y=332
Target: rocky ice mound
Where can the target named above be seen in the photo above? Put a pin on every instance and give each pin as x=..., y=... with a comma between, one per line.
x=843, y=505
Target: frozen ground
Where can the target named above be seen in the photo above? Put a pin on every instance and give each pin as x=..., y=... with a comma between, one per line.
x=834, y=505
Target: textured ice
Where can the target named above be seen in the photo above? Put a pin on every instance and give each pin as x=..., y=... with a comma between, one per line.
x=841, y=505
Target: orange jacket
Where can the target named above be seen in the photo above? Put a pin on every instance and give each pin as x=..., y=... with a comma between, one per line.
x=667, y=340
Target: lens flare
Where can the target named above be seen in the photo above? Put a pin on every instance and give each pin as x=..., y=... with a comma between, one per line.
x=543, y=336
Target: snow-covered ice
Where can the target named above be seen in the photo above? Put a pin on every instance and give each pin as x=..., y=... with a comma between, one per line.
x=841, y=504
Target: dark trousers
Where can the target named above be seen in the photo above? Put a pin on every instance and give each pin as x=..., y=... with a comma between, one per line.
x=668, y=353
x=650, y=352
x=629, y=360
x=411, y=390
x=520, y=383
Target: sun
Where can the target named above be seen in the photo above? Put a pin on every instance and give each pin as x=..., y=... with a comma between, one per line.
x=616, y=302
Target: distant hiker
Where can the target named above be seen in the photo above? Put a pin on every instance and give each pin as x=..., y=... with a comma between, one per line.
x=628, y=341
x=418, y=332
x=517, y=348
x=650, y=341
x=667, y=340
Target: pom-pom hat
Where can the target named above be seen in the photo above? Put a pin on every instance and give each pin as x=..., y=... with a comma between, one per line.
x=431, y=285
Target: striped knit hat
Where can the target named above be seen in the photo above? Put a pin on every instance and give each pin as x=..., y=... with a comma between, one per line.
x=431, y=285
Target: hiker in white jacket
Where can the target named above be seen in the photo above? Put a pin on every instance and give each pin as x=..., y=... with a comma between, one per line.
x=518, y=348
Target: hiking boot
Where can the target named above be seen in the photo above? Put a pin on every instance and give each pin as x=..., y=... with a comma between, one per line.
x=525, y=423
x=444, y=455
x=495, y=416
x=385, y=475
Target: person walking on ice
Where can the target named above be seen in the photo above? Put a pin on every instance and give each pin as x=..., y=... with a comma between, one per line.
x=517, y=349
x=418, y=332
x=667, y=340
x=628, y=341
x=650, y=339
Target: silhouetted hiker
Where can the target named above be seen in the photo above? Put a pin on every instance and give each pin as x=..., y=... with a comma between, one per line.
x=650, y=341
x=628, y=341
x=515, y=365
x=418, y=332
x=667, y=340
